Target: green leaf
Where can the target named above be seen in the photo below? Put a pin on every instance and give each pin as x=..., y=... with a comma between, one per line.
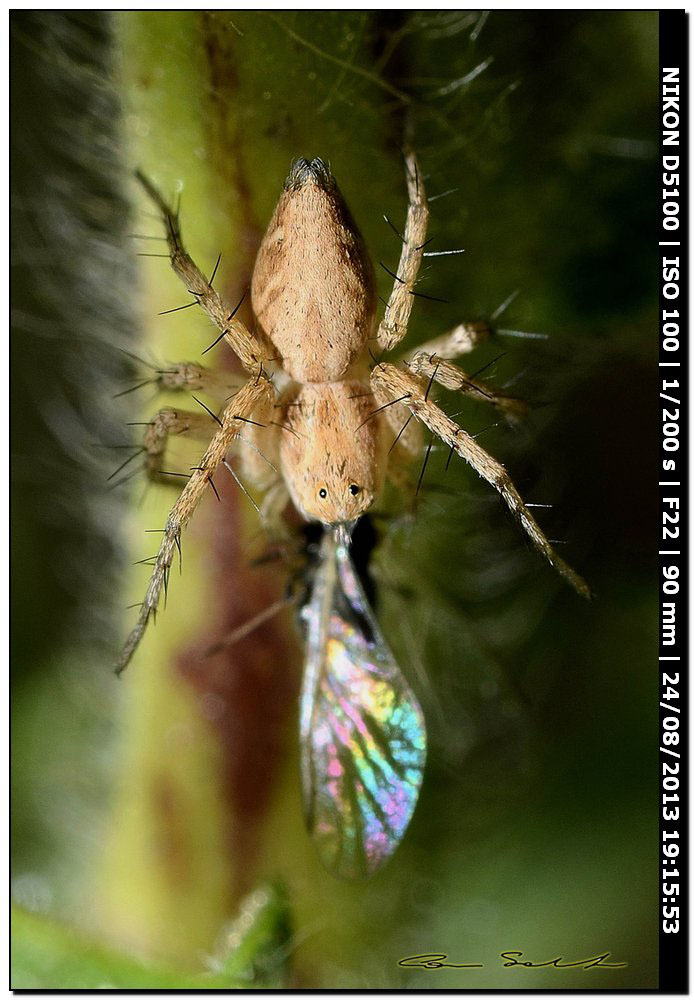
x=48, y=954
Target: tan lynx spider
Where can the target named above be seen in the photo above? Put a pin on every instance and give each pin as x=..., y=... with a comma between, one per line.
x=323, y=422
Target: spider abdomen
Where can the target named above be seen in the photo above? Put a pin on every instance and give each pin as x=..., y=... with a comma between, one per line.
x=313, y=287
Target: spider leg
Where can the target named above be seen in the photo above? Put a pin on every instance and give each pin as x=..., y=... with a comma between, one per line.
x=258, y=446
x=169, y=421
x=433, y=367
x=190, y=376
x=252, y=396
x=406, y=442
x=462, y=339
x=244, y=630
x=393, y=326
x=258, y=451
x=272, y=507
x=166, y=423
x=248, y=348
x=391, y=381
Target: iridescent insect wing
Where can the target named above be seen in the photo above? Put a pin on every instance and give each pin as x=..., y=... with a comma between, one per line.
x=362, y=729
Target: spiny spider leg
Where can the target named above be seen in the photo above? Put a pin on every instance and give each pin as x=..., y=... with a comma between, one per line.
x=393, y=326
x=190, y=376
x=394, y=383
x=254, y=395
x=431, y=366
x=248, y=349
x=167, y=423
x=462, y=339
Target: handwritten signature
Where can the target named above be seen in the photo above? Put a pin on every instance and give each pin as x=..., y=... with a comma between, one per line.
x=510, y=959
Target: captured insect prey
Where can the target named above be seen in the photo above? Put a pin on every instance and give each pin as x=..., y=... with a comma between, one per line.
x=363, y=739
x=323, y=421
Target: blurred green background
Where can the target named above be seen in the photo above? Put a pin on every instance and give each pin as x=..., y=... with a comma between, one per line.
x=157, y=829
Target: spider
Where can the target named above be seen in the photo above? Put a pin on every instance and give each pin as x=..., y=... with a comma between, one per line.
x=324, y=423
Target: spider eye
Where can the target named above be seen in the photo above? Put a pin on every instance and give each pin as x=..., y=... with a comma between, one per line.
x=322, y=493
x=354, y=489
